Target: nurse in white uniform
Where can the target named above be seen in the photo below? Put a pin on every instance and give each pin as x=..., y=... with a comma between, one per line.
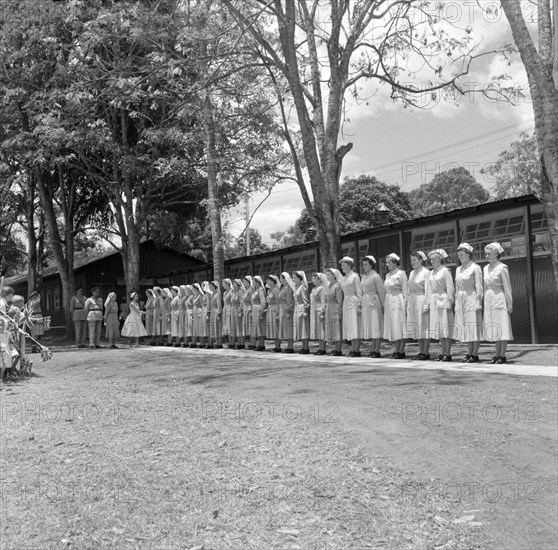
x=498, y=302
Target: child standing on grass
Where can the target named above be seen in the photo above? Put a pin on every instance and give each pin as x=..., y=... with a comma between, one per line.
x=37, y=331
x=133, y=326
x=112, y=326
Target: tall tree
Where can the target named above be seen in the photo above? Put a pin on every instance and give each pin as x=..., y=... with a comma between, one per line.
x=244, y=152
x=449, y=190
x=130, y=120
x=541, y=63
x=517, y=170
x=36, y=45
x=318, y=52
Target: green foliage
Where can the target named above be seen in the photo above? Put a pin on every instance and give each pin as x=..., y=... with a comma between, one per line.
x=12, y=249
x=449, y=190
x=181, y=232
x=235, y=248
x=290, y=237
x=360, y=199
x=517, y=171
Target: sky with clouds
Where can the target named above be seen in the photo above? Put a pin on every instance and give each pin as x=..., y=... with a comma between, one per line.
x=408, y=147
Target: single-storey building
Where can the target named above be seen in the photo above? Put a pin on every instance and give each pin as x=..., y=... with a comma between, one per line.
x=157, y=266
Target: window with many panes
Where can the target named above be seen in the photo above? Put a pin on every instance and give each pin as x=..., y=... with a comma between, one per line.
x=303, y=262
x=477, y=231
x=238, y=271
x=244, y=270
x=308, y=262
x=539, y=233
x=424, y=241
x=269, y=267
x=539, y=222
x=508, y=226
x=292, y=263
x=445, y=239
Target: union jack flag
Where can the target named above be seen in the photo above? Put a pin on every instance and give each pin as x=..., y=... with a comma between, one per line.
x=26, y=313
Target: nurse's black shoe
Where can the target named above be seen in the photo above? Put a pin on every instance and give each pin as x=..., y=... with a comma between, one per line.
x=494, y=360
x=440, y=357
x=473, y=359
x=303, y=351
x=240, y=346
x=501, y=360
x=466, y=358
x=289, y=350
x=424, y=357
x=446, y=359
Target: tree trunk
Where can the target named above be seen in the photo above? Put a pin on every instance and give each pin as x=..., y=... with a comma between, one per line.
x=545, y=106
x=64, y=261
x=555, y=44
x=212, y=165
x=212, y=191
x=32, y=282
x=130, y=252
x=133, y=263
x=68, y=281
x=41, y=250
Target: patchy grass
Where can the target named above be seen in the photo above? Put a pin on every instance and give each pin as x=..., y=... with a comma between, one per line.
x=108, y=461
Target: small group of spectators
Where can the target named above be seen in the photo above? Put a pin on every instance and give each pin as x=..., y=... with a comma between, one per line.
x=90, y=314
x=13, y=313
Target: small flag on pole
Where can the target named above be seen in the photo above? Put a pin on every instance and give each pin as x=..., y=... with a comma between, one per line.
x=26, y=313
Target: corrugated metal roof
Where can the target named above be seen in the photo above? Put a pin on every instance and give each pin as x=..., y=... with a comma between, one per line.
x=53, y=270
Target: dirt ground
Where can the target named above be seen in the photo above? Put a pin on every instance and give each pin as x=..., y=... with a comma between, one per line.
x=169, y=448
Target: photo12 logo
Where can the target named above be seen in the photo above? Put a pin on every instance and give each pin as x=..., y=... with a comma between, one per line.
x=427, y=171
x=500, y=89
x=268, y=411
x=468, y=12
x=452, y=412
x=50, y=491
x=56, y=412
x=472, y=491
